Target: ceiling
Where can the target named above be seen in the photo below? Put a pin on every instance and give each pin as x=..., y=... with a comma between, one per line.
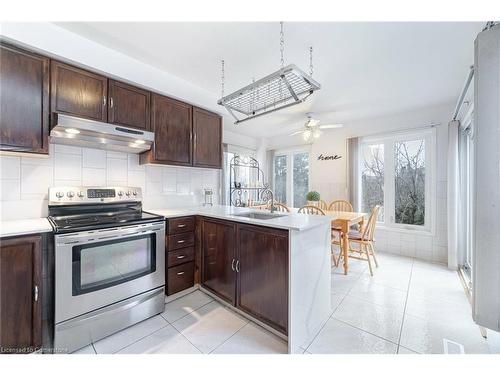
x=366, y=69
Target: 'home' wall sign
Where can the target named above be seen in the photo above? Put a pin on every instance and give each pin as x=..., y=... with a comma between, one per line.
x=329, y=157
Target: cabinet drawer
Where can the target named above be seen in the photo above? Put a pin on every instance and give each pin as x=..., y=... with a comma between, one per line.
x=180, y=278
x=177, y=241
x=181, y=225
x=179, y=256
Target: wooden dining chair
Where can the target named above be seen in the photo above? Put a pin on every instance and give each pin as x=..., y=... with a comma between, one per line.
x=278, y=207
x=311, y=210
x=338, y=205
x=323, y=205
x=365, y=241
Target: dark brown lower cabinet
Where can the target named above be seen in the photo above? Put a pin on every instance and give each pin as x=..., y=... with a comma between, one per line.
x=20, y=294
x=218, y=242
x=262, y=285
x=247, y=265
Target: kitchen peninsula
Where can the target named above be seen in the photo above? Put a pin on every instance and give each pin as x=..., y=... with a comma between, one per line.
x=272, y=268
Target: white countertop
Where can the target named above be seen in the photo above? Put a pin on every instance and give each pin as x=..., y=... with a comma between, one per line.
x=291, y=221
x=24, y=226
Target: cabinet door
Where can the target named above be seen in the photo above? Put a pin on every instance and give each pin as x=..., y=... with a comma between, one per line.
x=207, y=139
x=171, y=121
x=263, y=275
x=128, y=105
x=24, y=100
x=20, y=302
x=218, y=257
x=78, y=92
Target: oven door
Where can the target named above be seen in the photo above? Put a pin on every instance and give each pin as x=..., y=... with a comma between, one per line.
x=94, y=269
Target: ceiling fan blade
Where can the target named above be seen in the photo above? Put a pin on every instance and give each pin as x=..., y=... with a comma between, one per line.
x=297, y=132
x=331, y=126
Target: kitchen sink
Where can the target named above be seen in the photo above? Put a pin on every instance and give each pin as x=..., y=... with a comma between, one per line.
x=259, y=216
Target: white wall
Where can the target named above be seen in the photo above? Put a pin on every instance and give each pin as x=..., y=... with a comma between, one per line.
x=24, y=181
x=330, y=177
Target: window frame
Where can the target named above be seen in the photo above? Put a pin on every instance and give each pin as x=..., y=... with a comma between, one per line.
x=289, y=153
x=389, y=141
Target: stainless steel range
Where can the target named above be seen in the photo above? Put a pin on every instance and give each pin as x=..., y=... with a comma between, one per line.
x=109, y=262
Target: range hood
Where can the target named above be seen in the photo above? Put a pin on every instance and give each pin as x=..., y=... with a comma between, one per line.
x=74, y=131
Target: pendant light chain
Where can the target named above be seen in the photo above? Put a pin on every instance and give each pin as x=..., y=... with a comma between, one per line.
x=282, y=45
x=222, y=79
x=311, y=69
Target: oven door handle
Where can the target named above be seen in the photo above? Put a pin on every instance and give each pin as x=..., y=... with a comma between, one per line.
x=121, y=306
x=82, y=238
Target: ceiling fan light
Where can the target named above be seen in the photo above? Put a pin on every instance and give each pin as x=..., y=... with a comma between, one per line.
x=307, y=135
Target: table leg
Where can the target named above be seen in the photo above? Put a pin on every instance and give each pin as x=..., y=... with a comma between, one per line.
x=345, y=245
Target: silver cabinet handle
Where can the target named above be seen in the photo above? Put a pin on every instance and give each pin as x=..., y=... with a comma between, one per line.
x=181, y=225
x=232, y=265
x=36, y=293
x=104, y=100
x=111, y=103
x=237, y=266
x=180, y=273
x=181, y=256
x=181, y=241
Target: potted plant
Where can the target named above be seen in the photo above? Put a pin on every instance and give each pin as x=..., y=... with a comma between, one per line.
x=313, y=198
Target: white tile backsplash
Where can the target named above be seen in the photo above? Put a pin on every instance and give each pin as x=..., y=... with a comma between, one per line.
x=35, y=179
x=24, y=181
x=93, y=176
x=68, y=166
x=93, y=158
x=10, y=167
x=10, y=190
x=116, y=170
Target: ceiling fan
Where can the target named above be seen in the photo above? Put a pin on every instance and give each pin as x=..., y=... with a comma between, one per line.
x=312, y=129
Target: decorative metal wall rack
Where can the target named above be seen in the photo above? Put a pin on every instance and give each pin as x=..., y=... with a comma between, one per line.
x=255, y=190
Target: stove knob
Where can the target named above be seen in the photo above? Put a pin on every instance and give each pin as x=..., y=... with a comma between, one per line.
x=59, y=194
x=70, y=194
x=80, y=194
x=120, y=193
x=128, y=193
x=135, y=193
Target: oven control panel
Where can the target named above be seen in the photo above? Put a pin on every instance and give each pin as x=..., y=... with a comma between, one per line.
x=88, y=194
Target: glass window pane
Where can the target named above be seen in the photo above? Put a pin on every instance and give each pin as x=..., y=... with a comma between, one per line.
x=280, y=172
x=300, y=178
x=372, y=178
x=409, y=179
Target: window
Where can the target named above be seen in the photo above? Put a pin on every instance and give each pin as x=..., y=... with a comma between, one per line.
x=396, y=172
x=409, y=182
x=291, y=177
x=372, y=178
x=300, y=178
x=280, y=178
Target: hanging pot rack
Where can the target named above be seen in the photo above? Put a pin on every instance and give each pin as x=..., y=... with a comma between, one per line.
x=286, y=87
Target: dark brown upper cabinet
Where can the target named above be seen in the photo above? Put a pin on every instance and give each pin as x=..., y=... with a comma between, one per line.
x=218, y=243
x=128, y=105
x=263, y=267
x=78, y=92
x=171, y=121
x=24, y=100
x=20, y=294
x=207, y=139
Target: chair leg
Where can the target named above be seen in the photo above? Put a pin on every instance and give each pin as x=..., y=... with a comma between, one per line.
x=333, y=256
x=365, y=247
x=373, y=254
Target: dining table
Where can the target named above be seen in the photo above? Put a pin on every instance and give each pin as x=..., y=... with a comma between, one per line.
x=344, y=220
